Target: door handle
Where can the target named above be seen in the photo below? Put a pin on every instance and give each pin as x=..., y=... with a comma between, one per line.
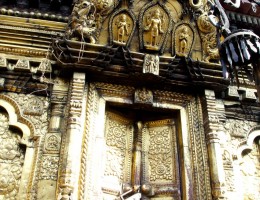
x=147, y=190
x=135, y=196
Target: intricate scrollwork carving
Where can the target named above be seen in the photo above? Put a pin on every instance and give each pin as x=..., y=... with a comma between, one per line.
x=119, y=138
x=208, y=34
x=160, y=156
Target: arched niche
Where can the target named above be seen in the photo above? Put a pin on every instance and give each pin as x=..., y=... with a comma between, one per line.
x=248, y=156
x=17, y=152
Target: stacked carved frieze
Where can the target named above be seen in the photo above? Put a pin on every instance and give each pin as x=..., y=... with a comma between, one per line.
x=155, y=27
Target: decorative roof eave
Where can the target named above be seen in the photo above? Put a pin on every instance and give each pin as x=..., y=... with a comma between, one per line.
x=242, y=18
x=116, y=63
x=246, y=7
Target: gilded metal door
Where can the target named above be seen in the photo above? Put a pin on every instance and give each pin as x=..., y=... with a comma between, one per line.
x=140, y=157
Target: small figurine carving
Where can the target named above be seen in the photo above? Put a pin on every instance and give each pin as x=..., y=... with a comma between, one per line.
x=151, y=64
x=183, y=40
x=143, y=96
x=154, y=26
x=122, y=28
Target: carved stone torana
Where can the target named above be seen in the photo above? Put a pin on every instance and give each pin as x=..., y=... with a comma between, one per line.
x=183, y=39
x=155, y=24
x=151, y=64
x=208, y=34
x=241, y=139
x=143, y=96
x=11, y=160
x=121, y=26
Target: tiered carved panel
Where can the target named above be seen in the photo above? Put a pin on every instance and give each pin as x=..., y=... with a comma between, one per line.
x=118, y=154
x=160, y=159
x=11, y=159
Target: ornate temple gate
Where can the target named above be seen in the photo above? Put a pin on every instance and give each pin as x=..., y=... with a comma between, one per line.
x=165, y=154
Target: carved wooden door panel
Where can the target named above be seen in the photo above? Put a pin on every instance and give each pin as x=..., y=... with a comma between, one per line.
x=160, y=169
x=142, y=155
x=117, y=156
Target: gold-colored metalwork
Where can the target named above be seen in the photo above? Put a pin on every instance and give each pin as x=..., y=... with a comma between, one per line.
x=183, y=39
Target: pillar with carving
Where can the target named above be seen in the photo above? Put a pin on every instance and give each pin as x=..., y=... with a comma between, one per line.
x=71, y=152
x=213, y=114
x=52, y=142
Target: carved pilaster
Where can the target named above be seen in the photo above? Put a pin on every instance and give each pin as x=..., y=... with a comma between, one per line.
x=58, y=101
x=71, y=155
x=213, y=114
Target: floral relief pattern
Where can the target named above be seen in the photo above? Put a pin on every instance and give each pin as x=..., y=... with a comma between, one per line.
x=11, y=160
x=50, y=165
x=116, y=148
x=160, y=155
x=36, y=110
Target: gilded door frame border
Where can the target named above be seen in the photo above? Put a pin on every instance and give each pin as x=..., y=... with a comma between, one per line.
x=194, y=186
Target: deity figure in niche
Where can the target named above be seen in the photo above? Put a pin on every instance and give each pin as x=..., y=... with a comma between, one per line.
x=122, y=27
x=183, y=37
x=154, y=26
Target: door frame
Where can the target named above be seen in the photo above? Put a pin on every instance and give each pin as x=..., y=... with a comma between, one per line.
x=194, y=169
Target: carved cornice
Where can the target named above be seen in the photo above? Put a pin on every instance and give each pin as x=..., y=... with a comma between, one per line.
x=102, y=61
x=27, y=64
